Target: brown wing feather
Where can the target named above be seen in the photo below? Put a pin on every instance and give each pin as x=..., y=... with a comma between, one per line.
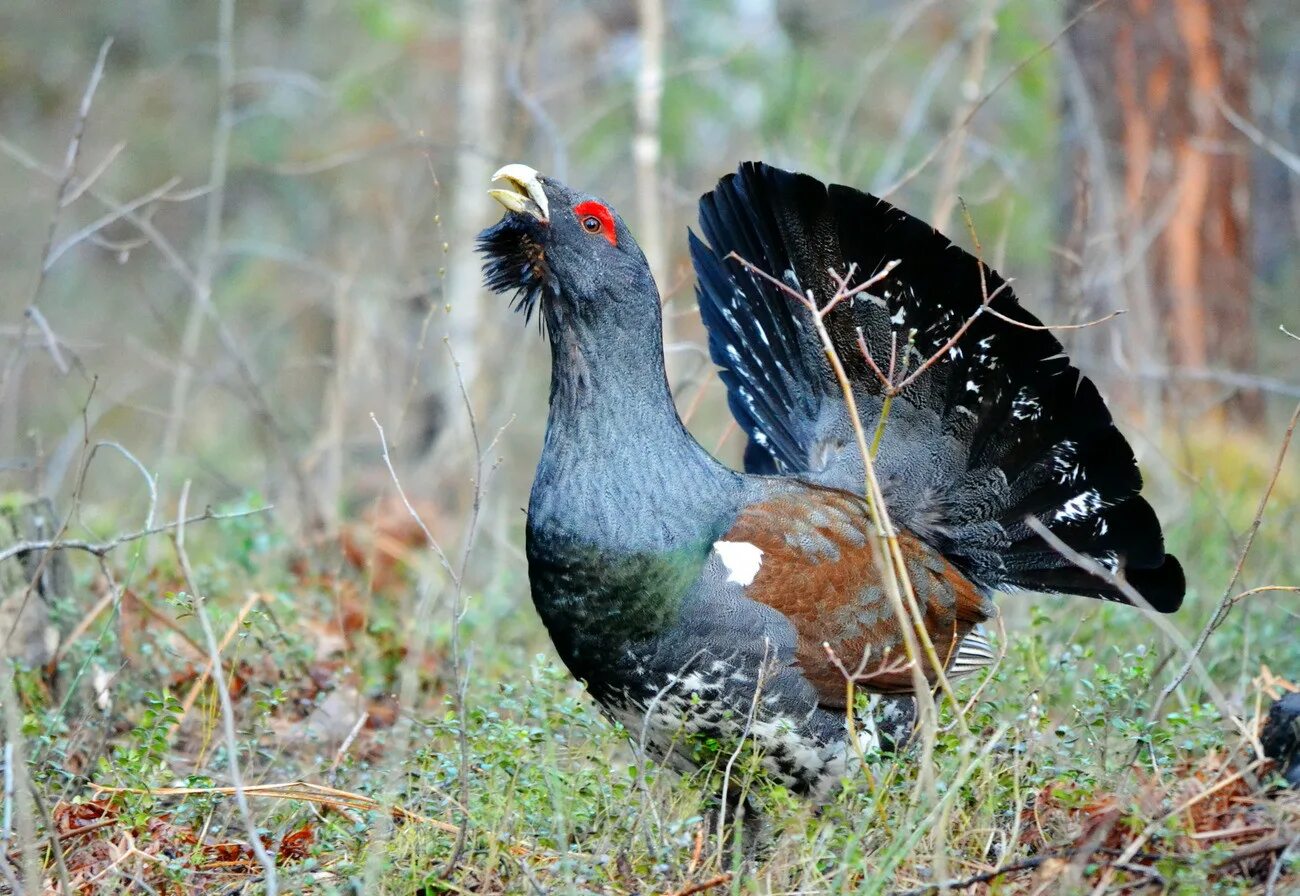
x=819, y=569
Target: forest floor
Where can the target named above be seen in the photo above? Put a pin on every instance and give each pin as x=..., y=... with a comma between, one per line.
x=379, y=755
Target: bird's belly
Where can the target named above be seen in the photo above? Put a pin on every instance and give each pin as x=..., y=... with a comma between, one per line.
x=717, y=714
x=696, y=681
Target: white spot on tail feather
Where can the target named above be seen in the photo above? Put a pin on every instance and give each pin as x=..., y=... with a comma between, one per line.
x=1080, y=507
x=741, y=559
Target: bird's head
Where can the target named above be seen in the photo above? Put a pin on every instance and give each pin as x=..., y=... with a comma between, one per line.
x=566, y=250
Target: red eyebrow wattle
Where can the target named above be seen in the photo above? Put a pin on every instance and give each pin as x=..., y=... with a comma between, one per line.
x=594, y=209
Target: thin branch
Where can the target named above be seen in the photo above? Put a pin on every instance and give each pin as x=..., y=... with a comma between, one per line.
x=760, y=680
x=85, y=233
x=205, y=268
x=961, y=125
x=1258, y=137
x=1134, y=597
x=270, y=878
x=1262, y=589
x=83, y=184
x=101, y=548
x=983, y=877
x=1024, y=326
x=406, y=502
x=65, y=179
x=1226, y=602
x=459, y=675
x=34, y=314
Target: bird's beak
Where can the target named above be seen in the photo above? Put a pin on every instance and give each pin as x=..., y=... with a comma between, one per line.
x=525, y=195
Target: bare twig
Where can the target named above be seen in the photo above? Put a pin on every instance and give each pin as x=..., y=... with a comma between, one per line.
x=207, y=262
x=983, y=877
x=73, y=153
x=1292, y=589
x=117, y=214
x=961, y=125
x=459, y=675
x=1134, y=597
x=65, y=178
x=101, y=548
x=223, y=692
x=950, y=170
x=208, y=671
x=34, y=314
x=1227, y=601
x=270, y=878
x=1288, y=158
x=717, y=880
x=83, y=184
x=406, y=502
x=1024, y=326
x=457, y=576
x=760, y=680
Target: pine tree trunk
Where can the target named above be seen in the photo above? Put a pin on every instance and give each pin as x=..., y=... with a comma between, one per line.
x=1157, y=192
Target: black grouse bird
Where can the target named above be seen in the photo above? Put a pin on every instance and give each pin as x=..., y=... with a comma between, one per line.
x=695, y=600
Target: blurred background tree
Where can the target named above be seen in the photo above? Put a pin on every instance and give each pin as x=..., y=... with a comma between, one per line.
x=267, y=234
x=1158, y=201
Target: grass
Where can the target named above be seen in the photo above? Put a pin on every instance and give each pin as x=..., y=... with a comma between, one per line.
x=1063, y=772
x=332, y=250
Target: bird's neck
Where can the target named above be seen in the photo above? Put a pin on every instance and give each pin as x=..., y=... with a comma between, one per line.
x=619, y=470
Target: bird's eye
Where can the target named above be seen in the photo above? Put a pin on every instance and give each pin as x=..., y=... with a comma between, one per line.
x=596, y=218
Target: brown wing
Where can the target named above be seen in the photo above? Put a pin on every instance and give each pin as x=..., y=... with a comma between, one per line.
x=819, y=569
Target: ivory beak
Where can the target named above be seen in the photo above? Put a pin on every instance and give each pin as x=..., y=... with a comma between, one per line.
x=525, y=194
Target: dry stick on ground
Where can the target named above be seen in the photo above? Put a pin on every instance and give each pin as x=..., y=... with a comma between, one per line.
x=983, y=877
x=227, y=707
x=208, y=670
x=56, y=847
x=1279, y=863
x=1227, y=601
x=1139, y=841
x=715, y=881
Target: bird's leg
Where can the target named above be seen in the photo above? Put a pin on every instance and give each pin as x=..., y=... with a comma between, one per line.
x=737, y=821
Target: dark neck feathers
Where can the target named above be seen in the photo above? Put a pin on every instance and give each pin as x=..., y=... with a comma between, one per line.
x=618, y=469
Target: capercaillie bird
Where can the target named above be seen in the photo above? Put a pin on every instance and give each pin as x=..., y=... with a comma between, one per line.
x=691, y=597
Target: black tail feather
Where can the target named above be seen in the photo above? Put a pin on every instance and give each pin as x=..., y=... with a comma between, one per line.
x=1000, y=428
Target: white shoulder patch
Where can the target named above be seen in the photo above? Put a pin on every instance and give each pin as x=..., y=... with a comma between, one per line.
x=741, y=558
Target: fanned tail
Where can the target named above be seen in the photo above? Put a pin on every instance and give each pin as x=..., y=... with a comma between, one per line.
x=1001, y=428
